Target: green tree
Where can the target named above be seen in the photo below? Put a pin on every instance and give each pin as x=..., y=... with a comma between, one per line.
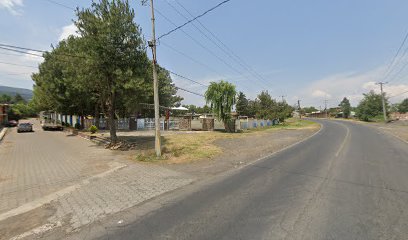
x=18, y=99
x=403, y=106
x=114, y=43
x=310, y=109
x=370, y=107
x=242, y=104
x=267, y=108
x=221, y=96
x=345, y=107
x=5, y=98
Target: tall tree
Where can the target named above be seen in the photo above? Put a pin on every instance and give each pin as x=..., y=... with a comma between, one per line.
x=4, y=98
x=19, y=99
x=116, y=48
x=242, y=104
x=221, y=96
x=403, y=106
x=345, y=107
x=370, y=107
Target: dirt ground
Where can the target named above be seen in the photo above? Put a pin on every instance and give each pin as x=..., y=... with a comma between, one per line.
x=236, y=152
x=397, y=128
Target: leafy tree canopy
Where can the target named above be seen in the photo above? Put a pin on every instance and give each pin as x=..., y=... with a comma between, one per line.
x=370, y=106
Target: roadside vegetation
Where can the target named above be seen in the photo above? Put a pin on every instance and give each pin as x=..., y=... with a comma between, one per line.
x=19, y=107
x=182, y=148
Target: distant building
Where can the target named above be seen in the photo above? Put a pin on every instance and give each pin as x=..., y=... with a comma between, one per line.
x=318, y=114
x=3, y=114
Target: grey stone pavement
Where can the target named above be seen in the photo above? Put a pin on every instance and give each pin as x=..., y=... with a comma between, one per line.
x=81, y=182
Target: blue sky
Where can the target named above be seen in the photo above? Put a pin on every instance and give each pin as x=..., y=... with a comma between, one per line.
x=308, y=50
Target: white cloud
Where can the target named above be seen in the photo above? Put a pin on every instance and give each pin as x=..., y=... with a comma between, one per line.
x=351, y=85
x=320, y=94
x=68, y=31
x=12, y=6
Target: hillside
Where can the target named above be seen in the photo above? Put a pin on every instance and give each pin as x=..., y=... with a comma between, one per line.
x=25, y=93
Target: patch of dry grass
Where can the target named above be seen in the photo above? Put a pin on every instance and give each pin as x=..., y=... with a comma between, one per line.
x=184, y=148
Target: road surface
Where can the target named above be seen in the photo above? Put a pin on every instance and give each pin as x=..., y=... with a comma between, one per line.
x=349, y=181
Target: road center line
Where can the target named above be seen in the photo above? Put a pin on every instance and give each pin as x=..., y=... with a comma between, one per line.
x=345, y=139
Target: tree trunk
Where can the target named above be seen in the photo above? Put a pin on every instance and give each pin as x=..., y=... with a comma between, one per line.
x=97, y=115
x=111, y=115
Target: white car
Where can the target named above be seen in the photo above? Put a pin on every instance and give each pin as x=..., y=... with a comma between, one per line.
x=24, y=127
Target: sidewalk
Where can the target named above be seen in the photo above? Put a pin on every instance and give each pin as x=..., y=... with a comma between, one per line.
x=100, y=197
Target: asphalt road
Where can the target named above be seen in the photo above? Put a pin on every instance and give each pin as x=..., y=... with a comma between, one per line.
x=349, y=181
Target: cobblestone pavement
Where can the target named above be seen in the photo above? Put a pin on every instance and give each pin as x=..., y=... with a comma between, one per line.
x=39, y=163
x=81, y=182
x=115, y=192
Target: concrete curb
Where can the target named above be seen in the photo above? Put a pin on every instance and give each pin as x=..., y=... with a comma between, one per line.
x=3, y=133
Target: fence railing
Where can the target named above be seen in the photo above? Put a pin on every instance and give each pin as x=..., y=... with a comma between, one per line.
x=146, y=124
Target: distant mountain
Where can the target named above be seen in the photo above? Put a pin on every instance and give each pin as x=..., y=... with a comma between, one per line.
x=25, y=93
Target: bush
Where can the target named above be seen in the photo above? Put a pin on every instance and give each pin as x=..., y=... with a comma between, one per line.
x=93, y=129
x=77, y=126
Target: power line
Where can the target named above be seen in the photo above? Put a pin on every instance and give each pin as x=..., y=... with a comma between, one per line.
x=388, y=72
x=222, y=48
x=185, y=90
x=15, y=74
x=60, y=4
x=201, y=45
x=15, y=64
x=14, y=50
x=23, y=48
x=186, y=78
x=10, y=48
x=399, y=94
x=1, y=47
x=190, y=58
x=189, y=21
x=229, y=52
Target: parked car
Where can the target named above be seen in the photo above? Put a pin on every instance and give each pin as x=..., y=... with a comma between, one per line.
x=12, y=123
x=24, y=127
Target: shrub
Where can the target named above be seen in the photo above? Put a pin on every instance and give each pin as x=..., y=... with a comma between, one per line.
x=77, y=126
x=93, y=129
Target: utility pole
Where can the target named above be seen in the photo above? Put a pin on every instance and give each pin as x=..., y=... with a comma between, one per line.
x=383, y=100
x=299, y=109
x=152, y=44
x=325, y=106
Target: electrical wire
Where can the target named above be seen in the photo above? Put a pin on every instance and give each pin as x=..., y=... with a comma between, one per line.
x=185, y=90
x=388, y=71
x=201, y=45
x=9, y=48
x=60, y=4
x=15, y=64
x=224, y=46
x=399, y=94
x=186, y=78
x=193, y=19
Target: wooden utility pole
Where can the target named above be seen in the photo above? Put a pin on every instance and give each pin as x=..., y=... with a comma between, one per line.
x=383, y=100
x=300, y=110
x=325, y=107
x=152, y=44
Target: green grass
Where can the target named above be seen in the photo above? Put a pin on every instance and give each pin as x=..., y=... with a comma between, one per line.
x=182, y=148
x=291, y=123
